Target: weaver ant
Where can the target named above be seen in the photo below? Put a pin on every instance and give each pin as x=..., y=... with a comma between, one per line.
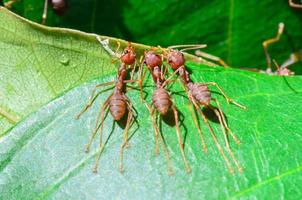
x=58, y=6
x=117, y=103
x=161, y=102
x=283, y=69
x=200, y=95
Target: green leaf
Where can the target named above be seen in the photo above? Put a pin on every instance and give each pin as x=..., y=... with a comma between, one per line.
x=37, y=66
x=43, y=156
x=233, y=30
x=39, y=63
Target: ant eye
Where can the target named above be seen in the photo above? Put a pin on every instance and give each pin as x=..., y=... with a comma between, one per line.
x=126, y=51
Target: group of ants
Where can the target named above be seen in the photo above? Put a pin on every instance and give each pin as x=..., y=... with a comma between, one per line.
x=198, y=94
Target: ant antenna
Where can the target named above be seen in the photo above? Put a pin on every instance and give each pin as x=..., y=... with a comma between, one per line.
x=276, y=65
x=187, y=47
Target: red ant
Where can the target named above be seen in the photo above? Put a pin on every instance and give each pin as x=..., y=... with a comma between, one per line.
x=200, y=95
x=117, y=103
x=294, y=57
x=161, y=102
x=58, y=6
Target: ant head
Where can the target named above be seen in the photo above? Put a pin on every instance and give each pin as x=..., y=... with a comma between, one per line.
x=175, y=59
x=152, y=59
x=128, y=56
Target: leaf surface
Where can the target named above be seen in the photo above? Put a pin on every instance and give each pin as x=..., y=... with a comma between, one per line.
x=43, y=157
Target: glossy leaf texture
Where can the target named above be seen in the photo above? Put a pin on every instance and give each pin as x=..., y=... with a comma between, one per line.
x=234, y=30
x=42, y=157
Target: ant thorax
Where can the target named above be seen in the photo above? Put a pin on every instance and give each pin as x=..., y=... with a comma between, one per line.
x=122, y=72
x=157, y=76
x=184, y=74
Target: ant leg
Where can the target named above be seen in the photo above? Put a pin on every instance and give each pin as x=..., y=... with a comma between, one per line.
x=224, y=122
x=228, y=99
x=142, y=75
x=166, y=151
x=231, y=170
x=156, y=129
x=101, y=146
x=168, y=80
x=181, y=146
x=132, y=72
x=124, y=144
x=217, y=113
x=44, y=16
x=92, y=98
x=204, y=147
x=97, y=161
x=211, y=57
x=97, y=125
x=167, y=156
x=187, y=47
x=163, y=72
x=268, y=42
x=294, y=5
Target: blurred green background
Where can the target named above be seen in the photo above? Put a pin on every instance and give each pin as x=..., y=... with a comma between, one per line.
x=233, y=30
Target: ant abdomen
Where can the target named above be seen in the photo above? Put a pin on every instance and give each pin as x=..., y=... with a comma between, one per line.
x=201, y=93
x=117, y=106
x=161, y=100
x=59, y=6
